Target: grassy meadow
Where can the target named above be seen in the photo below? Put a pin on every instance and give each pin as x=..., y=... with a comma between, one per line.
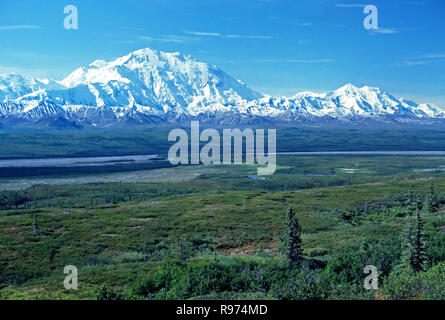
x=211, y=232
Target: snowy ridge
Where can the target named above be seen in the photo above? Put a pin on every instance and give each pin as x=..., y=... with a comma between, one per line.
x=149, y=86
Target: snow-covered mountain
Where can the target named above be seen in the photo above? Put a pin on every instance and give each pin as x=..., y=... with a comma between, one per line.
x=13, y=86
x=149, y=86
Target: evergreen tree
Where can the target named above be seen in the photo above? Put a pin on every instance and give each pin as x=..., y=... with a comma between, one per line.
x=411, y=197
x=408, y=240
x=419, y=254
x=414, y=200
x=35, y=227
x=292, y=238
x=414, y=246
x=431, y=202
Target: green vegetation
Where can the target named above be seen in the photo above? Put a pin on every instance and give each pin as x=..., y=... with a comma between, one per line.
x=217, y=244
x=153, y=140
x=201, y=232
x=292, y=238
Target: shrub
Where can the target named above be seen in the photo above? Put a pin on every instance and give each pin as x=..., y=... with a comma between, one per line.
x=105, y=293
x=411, y=285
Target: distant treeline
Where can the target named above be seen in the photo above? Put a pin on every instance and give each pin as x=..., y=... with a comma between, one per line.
x=154, y=140
x=68, y=171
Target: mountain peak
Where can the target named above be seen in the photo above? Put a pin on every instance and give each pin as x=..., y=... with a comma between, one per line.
x=97, y=63
x=148, y=84
x=149, y=56
x=347, y=89
x=348, y=86
x=158, y=80
x=145, y=52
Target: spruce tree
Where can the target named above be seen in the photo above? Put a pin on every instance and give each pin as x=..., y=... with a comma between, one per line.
x=414, y=200
x=431, y=201
x=408, y=240
x=419, y=254
x=411, y=201
x=414, y=255
x=35, y=227
x=292, y=238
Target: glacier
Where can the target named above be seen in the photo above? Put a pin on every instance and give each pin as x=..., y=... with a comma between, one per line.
x=148, y=86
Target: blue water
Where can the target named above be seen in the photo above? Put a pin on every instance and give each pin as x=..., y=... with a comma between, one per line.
x=256, y=178
x=312, y=174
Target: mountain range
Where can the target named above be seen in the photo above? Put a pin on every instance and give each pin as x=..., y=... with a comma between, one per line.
x=148, y=86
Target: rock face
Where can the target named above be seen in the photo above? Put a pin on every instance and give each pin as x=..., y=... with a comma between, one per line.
x=148, y=86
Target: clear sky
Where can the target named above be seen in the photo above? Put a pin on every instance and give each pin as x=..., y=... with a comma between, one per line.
x=278, y=47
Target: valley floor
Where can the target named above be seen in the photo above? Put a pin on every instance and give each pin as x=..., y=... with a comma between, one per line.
x=215, y=233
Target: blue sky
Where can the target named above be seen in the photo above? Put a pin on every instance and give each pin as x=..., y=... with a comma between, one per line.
x=278, y=47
